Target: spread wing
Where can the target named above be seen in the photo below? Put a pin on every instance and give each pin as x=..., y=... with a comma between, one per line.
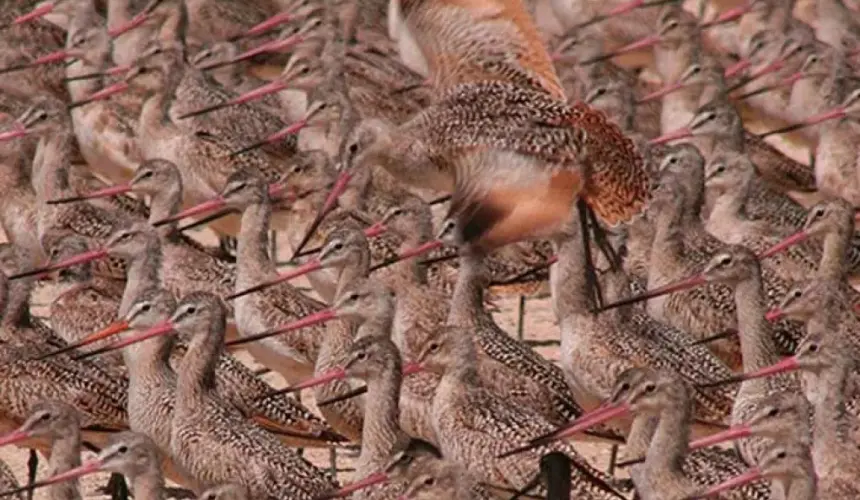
x=474, y=40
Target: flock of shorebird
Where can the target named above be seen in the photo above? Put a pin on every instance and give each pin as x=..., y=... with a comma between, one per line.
x=416, y=155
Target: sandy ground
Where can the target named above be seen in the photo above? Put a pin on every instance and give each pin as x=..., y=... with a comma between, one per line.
x=539, y=325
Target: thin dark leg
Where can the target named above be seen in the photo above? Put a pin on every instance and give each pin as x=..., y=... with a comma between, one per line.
x=117, y=488
x=521, y=316
x=32, y=467
x=590, y=274
x=613, y=459
x=603, y=243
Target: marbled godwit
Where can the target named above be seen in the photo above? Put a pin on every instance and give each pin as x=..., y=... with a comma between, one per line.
x=825, y=362
x=99, y=395
x=374, y=359
x=460, y=399
x=104, y=129
x=467, y=311
x=128, y=453
x=661, y=405
x=739, y=267
x=202, y=423
x=720, y=128
x=292, y=356
x=779, y=416
x=59, y=424
x=789, y=468
x=624, y=338
x=698, y=246
x=23, y=43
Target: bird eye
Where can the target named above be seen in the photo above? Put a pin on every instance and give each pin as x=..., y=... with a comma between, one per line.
x=726, y=260
x=796, y=293
x=361, y=356
x=353, y=297
x=125, y=236
x=429, y=481
x=45, y=416
x=813, y=348
x=191, y=310
x=773, y=412
x=146, y=175
x=625, y=386
x=819, y=211
x=338, y=246
x=720, y=168
x=673, y=160
x=122, y=449
x=145, y=308
x=353, y=148
x=434, y=347
x=781, y=454
x=695, y=69
x=650, y=388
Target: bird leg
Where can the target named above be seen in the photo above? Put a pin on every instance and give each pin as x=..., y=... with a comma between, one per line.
x=32, y=466
x=603, y=243
x=590, y=274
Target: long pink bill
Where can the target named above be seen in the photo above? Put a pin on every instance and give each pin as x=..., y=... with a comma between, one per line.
x=340, y=185
x=267, y=25
x=252, y=95
x=737, y=68
x=63, y=264
x=34, y=14
x=785, y=82
x=787, y=364
x=87, y=468
x=731, y=434
x=750, y=476
x=328, y=376
x=832, y=114
x=642, y=43
x=729, y=15
x=310, y=320
x=308, y=267
x=280, y=135
x=601, y=414
x=135, y=21
x=362, y=484
x=410, y=253
x=678, y=286
x=280, y=45
x=785, y=244
x=101, y=95
x=681, y=133
x=156, y=331
x=407, y=370
x=112, y=71
x=18, y=131
x=199, y=209
x=665, y=90
x=17, y=436
x=100, y=193
x=53, y=57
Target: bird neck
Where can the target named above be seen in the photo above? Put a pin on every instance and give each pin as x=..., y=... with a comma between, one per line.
x=149, y=485
x=831, y=422
x=467, y=301
x=671, y=437
x=381, y=431
x=252, y=258
x=65, y=455
x=144, y=272
x=51, y=165
x=165, y=203
x=197, y=375
x=833, y=254
x=17, y=312
x=641, y=432
x=573, y=298
x=757, y=346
